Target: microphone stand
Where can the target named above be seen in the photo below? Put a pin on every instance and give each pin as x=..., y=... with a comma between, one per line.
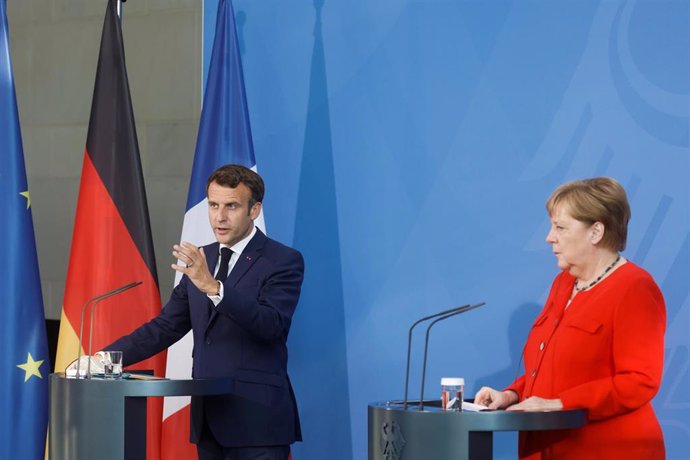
x=426, y=342
x=409, y=344
x=95, y=299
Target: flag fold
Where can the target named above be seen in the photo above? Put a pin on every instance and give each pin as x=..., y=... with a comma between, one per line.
x=224, y=137
x=111, y=242
x=24, y=360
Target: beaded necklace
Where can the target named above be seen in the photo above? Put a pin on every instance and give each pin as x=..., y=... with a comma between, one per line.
x=608, y=269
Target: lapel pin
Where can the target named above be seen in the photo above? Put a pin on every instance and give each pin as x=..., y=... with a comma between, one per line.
x=249, y=258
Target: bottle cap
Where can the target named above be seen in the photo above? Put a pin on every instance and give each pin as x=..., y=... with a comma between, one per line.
x=452, y=381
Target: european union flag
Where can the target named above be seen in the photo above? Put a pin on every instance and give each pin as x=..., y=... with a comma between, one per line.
x=24, y=366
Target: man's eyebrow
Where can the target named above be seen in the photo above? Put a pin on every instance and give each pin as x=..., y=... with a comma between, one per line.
x=231, y=201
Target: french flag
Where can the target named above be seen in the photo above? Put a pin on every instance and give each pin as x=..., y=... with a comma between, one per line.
x=224, y=137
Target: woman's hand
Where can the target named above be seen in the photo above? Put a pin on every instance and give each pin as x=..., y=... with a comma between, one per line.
x=494, y=399
x=535, y=403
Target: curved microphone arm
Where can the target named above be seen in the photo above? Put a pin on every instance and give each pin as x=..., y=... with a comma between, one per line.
x=94, y=300
x=426, y=342
x=409, y=343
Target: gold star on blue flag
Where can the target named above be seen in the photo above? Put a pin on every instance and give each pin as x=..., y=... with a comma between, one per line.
x=31, y=368
x=23, y=365
x=28, y=198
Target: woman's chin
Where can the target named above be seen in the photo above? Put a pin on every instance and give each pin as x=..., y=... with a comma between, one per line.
x=563, y=265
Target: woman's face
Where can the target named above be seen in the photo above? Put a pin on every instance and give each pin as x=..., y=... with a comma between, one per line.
x=570, y=239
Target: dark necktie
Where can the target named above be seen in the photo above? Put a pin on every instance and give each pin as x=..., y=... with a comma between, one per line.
x=225, y=254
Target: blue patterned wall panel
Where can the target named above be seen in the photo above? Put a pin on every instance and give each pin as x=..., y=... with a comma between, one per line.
x=408, y=148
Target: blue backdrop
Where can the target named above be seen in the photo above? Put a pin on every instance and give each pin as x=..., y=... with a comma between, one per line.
x=408, y=148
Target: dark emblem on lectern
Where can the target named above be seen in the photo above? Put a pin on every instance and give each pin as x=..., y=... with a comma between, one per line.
x=392, y=440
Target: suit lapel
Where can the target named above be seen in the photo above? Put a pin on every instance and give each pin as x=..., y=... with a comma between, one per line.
x=249, y=256
x=211, y=253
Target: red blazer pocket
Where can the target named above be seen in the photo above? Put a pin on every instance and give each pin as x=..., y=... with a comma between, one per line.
x=586, y=324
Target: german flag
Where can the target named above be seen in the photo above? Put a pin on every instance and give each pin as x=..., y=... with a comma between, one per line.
x=111, y=242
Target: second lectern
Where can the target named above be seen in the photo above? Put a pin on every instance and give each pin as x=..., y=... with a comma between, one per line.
x=397, y=433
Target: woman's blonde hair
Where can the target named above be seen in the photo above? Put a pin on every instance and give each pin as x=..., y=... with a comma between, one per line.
x=600, y=199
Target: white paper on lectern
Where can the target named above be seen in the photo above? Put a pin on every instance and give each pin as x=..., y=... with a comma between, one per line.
x=472, y=407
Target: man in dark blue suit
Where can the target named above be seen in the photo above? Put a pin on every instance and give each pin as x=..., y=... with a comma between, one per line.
x=238, y=296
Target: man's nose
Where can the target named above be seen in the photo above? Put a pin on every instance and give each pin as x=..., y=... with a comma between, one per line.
x=221, y=216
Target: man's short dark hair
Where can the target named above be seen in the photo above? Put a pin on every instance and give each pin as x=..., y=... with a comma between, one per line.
x=233, y=175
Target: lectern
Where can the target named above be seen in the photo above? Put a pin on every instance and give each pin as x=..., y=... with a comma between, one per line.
x=106, y=419
x=396, y=433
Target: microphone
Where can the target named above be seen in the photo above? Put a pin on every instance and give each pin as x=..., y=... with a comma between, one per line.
x=462, y=309
x=95, y=300
x=409, y=343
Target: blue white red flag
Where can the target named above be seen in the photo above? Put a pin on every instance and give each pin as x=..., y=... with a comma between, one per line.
x=224, y=137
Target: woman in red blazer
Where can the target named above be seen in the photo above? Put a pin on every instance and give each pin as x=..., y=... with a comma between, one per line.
x=598, y=343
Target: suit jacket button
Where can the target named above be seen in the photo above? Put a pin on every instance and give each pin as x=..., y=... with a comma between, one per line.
x=208, y=341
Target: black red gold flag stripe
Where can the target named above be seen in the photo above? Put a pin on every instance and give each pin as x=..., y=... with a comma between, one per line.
x=111, y=243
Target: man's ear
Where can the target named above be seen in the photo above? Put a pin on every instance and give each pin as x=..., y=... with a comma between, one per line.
x=255, y=211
